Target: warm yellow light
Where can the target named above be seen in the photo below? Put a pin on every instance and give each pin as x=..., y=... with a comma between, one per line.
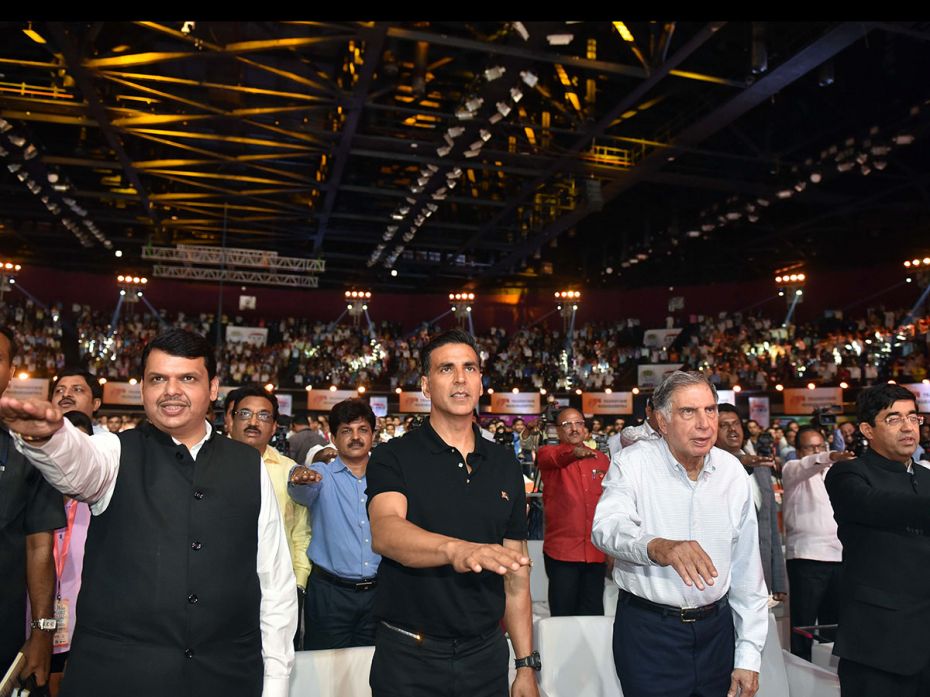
x=801, y=276
x=490, y=390
x=332, y=388
x=927, y=261
x=542, y=390
x=23, y=375
x=737, y=388
x=516, y=390
x=811, y=385
x=907, y=264
x=916, y=262
x=577, y=390
x=33, y=34
x=608, y=390
x=102, y=381
x=778, y=279
x=119, y=278
x=844, y=385
x=361, y=389
x=624, y=32
x=398, y=390
x=635, y=390
x=308, y=388
x=779, y=387
x=892, y=382
x=269, y=387
x=133, y=381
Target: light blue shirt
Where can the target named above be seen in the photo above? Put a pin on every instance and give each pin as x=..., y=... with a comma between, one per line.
x=341, y=541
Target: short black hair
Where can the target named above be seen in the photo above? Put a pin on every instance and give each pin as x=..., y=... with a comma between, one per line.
x=348, y=411
x=255, y=391
x=802, y=431
x=96, y=389
x=727, y=408
x=11, y=337
x=873, y=399
x=452, y=336
x=301, y=416
x=232, y=397
x=183, y=344
x=81, y=421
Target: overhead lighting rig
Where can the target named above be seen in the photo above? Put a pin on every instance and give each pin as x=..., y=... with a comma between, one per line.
x=8, y=272
x=131, y=287
x=357, y=304
x=461, y=304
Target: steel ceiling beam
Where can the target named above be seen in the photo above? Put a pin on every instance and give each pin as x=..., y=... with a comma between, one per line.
x=97, y=110
x=374, y=38
x=800, y=64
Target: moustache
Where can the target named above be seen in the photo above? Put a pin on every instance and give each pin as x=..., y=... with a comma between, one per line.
x=356, y=444
x=66, y=401
x=173, y=401
x=252, y=429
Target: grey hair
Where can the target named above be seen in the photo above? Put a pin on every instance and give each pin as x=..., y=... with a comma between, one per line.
x=662, y=397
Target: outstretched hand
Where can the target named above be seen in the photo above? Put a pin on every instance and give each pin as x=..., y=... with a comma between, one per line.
x=304, y=475
x=33, y=418
x=472, y=556
x=687, y=557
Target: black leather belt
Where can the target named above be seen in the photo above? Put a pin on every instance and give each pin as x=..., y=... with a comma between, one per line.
x=357, y=585
x=685, y=614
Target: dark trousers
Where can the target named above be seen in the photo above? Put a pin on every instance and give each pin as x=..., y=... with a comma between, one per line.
x=405, y=667
x=337, y=617
x=658, y=656
x=858, y=680
x=575, y=587
x=814, y=591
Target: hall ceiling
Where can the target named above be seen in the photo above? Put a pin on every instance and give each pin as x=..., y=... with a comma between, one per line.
x=467, y=154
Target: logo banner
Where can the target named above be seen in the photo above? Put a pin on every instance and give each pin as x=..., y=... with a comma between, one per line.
x=759, y=411
x=324, y=400
x=603, y=403
x=651, y=374
x=257, y=336
x=122, y=393
x=515, y=403
x=30, y=388
x=801, y=401
x=414, y=402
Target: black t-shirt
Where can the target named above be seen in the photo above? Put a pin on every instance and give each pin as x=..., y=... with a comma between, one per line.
x=486, y=506
x=28, y=504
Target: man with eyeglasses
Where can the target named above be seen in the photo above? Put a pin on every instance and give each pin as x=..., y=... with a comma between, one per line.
x=813, y=552
x=254, y=414
x=881, y=502
x=571, y=477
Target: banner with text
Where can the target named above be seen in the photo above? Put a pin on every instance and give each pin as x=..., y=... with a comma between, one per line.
x=604, y=403
x=651, y=374
x=122, y=393
x=515, y=403
x=920, y=389
x=378, y=404
x=414, y=402
x=726, y=397
x=802, y=401
x=30, y=388
x=257, y=336
x=660, y=338
x=759, y=411
x=324, y=400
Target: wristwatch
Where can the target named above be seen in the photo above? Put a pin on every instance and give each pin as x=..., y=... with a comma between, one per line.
x=44, y=624
x=531, y=661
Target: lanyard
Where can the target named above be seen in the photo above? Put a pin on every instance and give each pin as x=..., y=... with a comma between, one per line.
x=62, y=546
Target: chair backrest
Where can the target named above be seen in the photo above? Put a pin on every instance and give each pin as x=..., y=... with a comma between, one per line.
x=577, y=657
x=539, y=582
x=332, y=673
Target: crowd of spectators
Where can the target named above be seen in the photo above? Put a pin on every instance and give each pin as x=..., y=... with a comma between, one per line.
x=753, y=351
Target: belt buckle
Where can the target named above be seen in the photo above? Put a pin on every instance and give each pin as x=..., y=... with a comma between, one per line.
x=364, y=586
x=686, y=618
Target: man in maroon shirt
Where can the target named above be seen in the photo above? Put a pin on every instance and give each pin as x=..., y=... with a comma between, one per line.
x=571, y=478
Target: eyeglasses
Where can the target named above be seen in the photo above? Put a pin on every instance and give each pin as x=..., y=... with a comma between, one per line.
x=569, y=424
x=247, y=414
x=896, y=420
x=822, y=448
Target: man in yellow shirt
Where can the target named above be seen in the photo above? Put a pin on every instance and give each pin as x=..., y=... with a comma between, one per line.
x=254, y=422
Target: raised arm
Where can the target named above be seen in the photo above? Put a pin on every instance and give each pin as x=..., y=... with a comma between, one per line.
x=393, y=536
x=81, y=466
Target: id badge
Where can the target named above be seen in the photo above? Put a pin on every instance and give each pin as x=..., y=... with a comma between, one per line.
x=61, y=616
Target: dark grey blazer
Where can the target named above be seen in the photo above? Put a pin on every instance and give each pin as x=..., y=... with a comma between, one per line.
x=773, y=557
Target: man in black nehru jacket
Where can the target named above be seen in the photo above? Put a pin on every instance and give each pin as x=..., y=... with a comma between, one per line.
x=187, y=583
x=881, y=502
x=448, y=514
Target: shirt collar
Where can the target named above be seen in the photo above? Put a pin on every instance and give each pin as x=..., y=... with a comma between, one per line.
x=890, y=465
x=709, y=466
x=206, y=437
x=438, y=445
x=339, y=466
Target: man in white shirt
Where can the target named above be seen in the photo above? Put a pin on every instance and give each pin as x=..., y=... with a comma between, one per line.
x=187, y=584
x=813, y=551
x=677, y=515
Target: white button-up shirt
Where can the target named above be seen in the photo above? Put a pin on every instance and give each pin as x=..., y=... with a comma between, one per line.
x=86, y=468
x=647, y=494
x=810, y=528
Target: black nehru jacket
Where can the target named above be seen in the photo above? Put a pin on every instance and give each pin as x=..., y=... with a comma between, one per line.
x=486, y=506
x=883, y=513
x=170, y=598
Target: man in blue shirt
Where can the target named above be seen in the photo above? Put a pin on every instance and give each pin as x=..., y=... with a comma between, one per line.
x=340, y=597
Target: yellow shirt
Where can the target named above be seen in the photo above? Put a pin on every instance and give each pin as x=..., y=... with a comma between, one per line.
x=294, y=515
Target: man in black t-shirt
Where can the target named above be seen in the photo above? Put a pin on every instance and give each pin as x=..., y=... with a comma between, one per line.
x=448, y=515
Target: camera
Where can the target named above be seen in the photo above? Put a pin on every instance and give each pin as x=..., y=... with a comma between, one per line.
x=824, y=418
x=765, y=445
